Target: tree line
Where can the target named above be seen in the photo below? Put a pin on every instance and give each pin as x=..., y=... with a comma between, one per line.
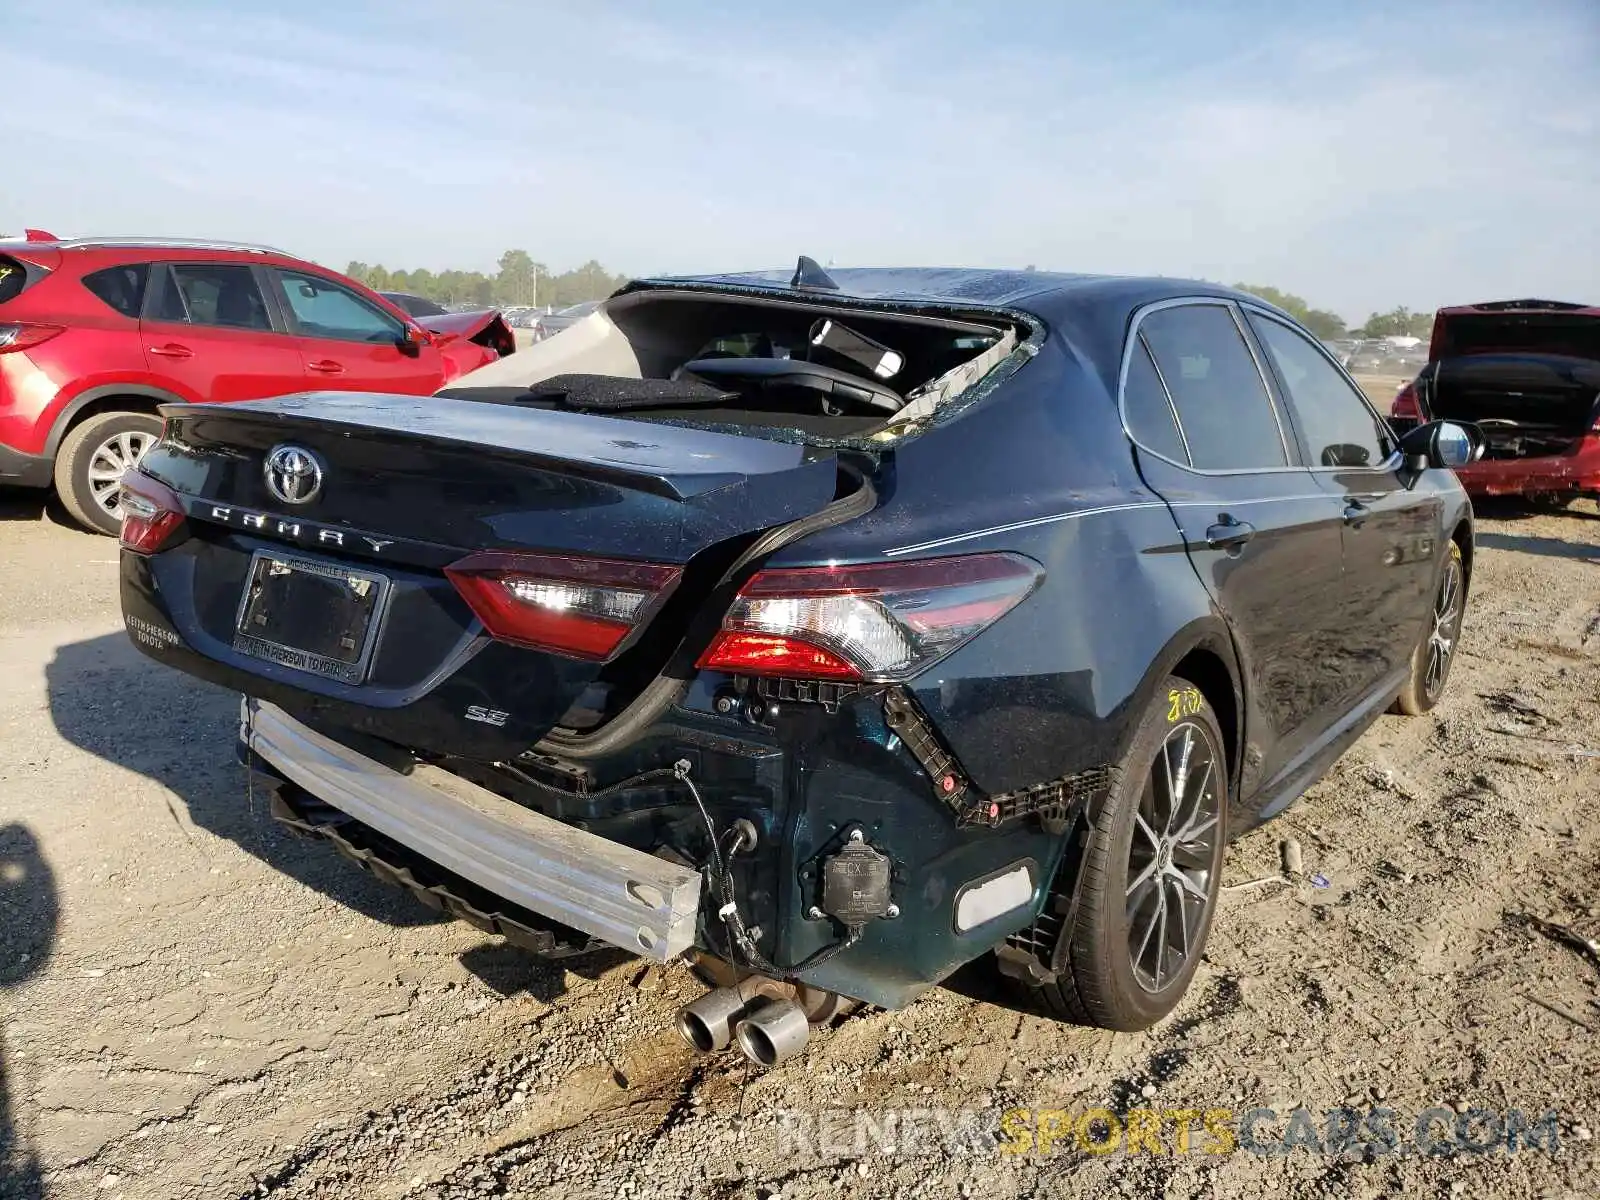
x=520, y=280
x=1397, y=322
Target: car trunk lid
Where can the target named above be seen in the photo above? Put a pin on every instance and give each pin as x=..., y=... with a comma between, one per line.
x=467, y=476
x=550, y=503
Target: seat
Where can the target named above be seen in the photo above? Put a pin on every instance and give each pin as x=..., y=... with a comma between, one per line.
x=241, y=307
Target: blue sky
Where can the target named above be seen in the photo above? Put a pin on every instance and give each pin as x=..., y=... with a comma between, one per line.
x=1360, y=155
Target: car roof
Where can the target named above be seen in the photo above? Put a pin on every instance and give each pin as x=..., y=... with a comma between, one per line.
x=1043, y=293
x=145, y=243
x=152, y=249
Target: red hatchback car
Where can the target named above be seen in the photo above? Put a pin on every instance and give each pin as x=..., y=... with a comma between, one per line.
x=1526, y=372
x=96, y=332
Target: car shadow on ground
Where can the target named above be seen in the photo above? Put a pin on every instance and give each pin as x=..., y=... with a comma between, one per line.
x=27, y=504
x=1543, y=546
x=29, y=915
x=508, y=970
x=22, y=505
x=981, y=980
x=110, y=700
x=1521, y=508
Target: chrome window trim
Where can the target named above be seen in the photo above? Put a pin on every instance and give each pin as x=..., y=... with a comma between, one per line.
x=1166, y=391
x=1133, y=335
x=1248, y=337
x=1388, y=465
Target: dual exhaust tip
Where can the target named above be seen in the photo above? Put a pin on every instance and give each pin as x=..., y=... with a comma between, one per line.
x=768, y=1029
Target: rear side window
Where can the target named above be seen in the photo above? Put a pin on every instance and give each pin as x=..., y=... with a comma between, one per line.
x=1147, y=408
x=214, y=294
x=13, y=278
x=120, y=287
x=1338, y=427
x=1227, y=417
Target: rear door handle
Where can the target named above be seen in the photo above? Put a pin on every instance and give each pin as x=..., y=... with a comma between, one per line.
x=325, y=366
x=171, y=350
x=1229, y=533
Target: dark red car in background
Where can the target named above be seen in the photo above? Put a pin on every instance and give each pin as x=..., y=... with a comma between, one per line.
x=1526, y=372
x=96, y=332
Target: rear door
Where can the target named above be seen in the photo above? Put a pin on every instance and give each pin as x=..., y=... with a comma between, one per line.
x=209, y=334
x=347, y=342
x=1261, y=533
x=1390, y=532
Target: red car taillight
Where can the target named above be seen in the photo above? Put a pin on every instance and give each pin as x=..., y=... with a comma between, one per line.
x=883, y=622
x=1405, y=404
x=581, y=607
x=22, y=337
x=151, y=514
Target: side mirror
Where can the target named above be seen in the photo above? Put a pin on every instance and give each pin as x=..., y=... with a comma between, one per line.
x=412, y=340
x=1446, y=444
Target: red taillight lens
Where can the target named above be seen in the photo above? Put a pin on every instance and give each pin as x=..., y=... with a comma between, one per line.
x=767, y=654
x=1405, y=404
x=23, y=337
x=151, y=514
x=884, y=622
x=581, y=607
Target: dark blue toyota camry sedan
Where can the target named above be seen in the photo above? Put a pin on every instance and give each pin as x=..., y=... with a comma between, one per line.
x=831, y=630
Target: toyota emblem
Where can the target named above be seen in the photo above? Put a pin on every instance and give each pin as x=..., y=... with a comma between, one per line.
x=293, y=474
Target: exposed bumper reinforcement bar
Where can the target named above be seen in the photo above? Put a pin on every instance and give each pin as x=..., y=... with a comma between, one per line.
x=622, y=896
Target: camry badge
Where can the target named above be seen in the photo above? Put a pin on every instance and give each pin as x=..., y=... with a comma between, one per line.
x=293, y=474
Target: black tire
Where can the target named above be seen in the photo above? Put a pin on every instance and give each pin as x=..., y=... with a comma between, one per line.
x=1096, y=976
x=1425, y=684
x=86, y=462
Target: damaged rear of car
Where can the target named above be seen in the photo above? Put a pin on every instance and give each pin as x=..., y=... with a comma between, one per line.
x=1526, y=373
x=819, y=628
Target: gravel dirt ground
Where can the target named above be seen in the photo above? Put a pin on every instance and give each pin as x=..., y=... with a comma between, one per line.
x=196, y=1004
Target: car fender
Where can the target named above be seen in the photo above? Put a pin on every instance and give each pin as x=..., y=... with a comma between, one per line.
x=1062, y=688
x=83, y=399
x=1208, y=635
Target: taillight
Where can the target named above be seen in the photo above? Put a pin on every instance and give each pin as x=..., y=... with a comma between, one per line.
x=22, y=337
x=883, y=622
x=151, y=514
x=1405, y=404
x=581, y=607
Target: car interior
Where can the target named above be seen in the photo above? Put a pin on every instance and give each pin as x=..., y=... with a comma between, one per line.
x=662, y=354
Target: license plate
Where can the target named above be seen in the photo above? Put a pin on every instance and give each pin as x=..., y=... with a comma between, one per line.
x=313, y=616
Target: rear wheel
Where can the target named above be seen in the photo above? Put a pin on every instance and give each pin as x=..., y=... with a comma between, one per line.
x=1147, y=890
x=1430, y=661
x=92, y=460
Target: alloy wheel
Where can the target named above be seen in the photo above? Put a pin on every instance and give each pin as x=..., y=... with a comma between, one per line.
x=1172, y=857
x=1445, y=630
x=111, y=460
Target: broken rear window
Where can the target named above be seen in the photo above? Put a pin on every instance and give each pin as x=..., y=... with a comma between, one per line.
x=815, y=370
